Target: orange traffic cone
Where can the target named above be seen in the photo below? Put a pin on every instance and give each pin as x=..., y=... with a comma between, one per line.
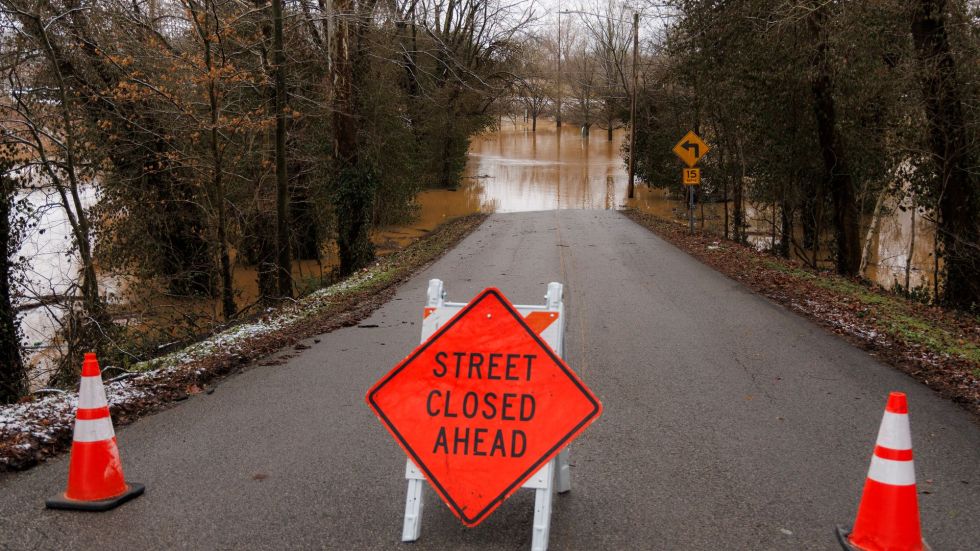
x=95, y=475
x=888, y=516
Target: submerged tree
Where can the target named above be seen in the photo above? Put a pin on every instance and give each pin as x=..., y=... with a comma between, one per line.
x=171, y=121
x=954, y=153
x=820, y=135
x=13, y=375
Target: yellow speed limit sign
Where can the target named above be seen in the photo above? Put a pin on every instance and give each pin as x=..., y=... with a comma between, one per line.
x=691, y=176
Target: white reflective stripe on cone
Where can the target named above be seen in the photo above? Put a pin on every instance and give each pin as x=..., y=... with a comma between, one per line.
x=91, y=394
x=93, y=430
x=888, y=471
x=894, y=431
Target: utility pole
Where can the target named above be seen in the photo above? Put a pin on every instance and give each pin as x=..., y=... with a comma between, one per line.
x=631, y=190
x=558, y=116
x=284, y=262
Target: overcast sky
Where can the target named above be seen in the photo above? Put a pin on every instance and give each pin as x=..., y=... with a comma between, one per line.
x=652, y=18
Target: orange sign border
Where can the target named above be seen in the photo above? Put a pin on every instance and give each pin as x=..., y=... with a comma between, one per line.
x=536, y=466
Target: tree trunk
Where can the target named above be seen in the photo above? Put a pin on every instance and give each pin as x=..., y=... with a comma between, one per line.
x=345, y=145
x=13, y=376
x=786, y=229
x=959, y=198
x=738, y=212
x=260, y=247
x=354, y=195
x=283, y=256
x=772, y=229
x=908, y=258
x=872, y=230
x=808, y=215
x=724, y=190
x=227, y=287
x=228, y=307
x=846, y=218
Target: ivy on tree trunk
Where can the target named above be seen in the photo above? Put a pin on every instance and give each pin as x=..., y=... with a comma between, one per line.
x=956, y=187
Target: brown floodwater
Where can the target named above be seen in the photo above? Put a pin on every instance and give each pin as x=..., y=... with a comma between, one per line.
x=513, y=170
x=516, y=170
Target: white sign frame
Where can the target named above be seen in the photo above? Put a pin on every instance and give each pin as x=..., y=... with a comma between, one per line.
x=554, y=475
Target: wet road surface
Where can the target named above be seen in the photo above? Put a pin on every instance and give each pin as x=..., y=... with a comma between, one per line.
x=729, y=423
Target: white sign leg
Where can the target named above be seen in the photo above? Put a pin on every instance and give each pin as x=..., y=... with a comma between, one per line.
x=412, y=528
x=564, y=473
x=413, y=511
x=542, y=510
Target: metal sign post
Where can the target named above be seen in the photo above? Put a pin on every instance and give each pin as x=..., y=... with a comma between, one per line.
x=690, y=208
x=690, y=150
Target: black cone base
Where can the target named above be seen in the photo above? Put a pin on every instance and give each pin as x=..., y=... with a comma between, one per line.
x=842, y=534
x=133, y=490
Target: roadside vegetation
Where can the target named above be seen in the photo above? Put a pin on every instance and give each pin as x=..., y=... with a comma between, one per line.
x=189, y=142
x=937, y=346
x=185, y=139
x=35, y=429
x=824, y=117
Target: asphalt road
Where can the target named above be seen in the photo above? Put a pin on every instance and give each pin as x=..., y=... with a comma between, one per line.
x=729, y=423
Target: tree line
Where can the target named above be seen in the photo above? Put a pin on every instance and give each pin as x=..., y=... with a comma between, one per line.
x=579, y=70
x=223, y=132
x=824, y=109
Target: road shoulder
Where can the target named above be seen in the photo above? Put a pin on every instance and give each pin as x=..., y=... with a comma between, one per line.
x=35, y=430
x=937, y=347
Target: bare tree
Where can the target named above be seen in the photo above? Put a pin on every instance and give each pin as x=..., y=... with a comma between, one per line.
x=532, y=86
x=610, y=31
x=584, y=82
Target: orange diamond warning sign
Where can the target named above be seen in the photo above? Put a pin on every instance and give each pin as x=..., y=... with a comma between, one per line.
x=690, y=149
x=482, y=405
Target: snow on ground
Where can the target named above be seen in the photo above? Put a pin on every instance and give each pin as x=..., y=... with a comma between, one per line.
x=31, y=425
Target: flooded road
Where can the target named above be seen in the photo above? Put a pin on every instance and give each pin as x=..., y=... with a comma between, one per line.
x=516, y=170
x=510, y=170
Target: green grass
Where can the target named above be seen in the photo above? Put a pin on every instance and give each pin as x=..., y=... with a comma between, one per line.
x=934, y=338
x=894, y=315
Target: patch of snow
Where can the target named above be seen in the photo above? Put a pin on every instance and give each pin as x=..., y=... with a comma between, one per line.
x=47, y=419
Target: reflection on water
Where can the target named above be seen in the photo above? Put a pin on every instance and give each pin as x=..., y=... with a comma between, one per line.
x=509, y=170
x=515, y=170
x=525, y=171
